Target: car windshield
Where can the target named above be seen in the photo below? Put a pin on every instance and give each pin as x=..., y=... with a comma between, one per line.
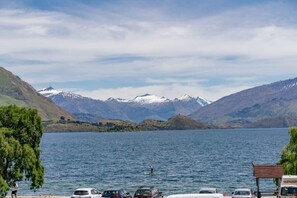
x=109, y=193
x=242, y=193
x=143, y=192
x=81, y=192
x=206, y=191
x=289, y=191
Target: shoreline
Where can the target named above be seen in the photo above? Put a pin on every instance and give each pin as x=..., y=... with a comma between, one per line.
x=57, y=196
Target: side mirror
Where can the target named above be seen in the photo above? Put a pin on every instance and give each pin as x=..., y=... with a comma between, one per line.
x=232, y=193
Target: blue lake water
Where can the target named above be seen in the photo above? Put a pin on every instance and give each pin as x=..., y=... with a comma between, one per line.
x=184, y=161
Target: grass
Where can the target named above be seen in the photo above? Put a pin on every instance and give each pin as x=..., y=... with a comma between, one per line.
x=5, y=81
x=6, y=100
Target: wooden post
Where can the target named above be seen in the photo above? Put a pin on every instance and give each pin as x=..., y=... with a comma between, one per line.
x=278, y=185
x=258, y=188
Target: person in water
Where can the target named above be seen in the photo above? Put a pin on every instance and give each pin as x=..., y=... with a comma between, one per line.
x=151, y=169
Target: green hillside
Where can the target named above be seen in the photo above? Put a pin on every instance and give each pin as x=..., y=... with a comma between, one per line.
x=178, y=122
x=271, y=105
x=15, y=91
x=6, y=100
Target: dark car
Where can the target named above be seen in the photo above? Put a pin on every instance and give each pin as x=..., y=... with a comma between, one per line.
x=118, y=193
x=147, y=192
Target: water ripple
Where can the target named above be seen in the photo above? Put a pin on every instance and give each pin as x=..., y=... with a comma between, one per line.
x=184, y=160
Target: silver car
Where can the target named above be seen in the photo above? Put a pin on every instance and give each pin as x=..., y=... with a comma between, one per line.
x=243, y=193
x=86, y=193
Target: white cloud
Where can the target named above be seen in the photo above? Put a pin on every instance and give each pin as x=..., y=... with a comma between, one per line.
x=82, y=36
x=52, y=46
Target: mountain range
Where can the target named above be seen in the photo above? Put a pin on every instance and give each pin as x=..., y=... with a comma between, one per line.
x=270, y=105
x=142, y=107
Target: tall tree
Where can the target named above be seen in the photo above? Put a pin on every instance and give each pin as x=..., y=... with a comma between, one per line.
x=20, y=136
x=289, y=154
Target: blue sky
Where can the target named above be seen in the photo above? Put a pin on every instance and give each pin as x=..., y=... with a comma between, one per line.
x=118, y=48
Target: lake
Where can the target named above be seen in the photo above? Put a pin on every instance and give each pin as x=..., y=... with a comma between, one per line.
x=184, y=161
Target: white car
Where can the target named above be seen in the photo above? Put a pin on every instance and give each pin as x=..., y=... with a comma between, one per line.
x=243, y=193
x=197, y=195
x=208, y=190
x=86, y=193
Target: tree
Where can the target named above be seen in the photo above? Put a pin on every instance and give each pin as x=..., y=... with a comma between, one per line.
x=20, y=136
x=289, y=154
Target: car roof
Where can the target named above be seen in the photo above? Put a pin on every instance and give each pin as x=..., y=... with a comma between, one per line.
x=146, y=187
x=206, y=188
x=195, y=195
x=84, y=189
x=113, y=189
x=243, y=189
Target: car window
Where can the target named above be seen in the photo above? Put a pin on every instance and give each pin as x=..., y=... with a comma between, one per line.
x=143, y=192
x=206, y=191
x=242, y=193
x=81, y=192
x=94, y=192
x=109, y=193
x=289, y=191
x=122, y=192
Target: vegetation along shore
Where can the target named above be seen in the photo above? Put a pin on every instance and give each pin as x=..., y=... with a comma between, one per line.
x=177, y=122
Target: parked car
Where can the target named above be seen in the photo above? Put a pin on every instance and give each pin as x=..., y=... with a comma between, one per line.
x=208, y=190
x=147, y=192
x=288, y=187
x=197, y=195
x=243, y=193
x=116, y=193
x=86, y=193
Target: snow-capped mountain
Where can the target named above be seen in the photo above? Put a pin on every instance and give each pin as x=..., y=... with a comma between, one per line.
x=153, y=99
x=149, y=99
x=51, y=92
x=203, y=102
x=142, y=107
x=185, y=98
x=48, y=92
x=116, y=99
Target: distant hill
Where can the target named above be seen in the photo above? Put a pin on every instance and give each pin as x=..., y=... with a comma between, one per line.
x=142, y=107
x=271, y=105
x=177, y=122
x=15, y=91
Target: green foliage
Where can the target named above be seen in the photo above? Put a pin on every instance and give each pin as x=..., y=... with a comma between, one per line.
x=20, y=136
x=289, y=154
